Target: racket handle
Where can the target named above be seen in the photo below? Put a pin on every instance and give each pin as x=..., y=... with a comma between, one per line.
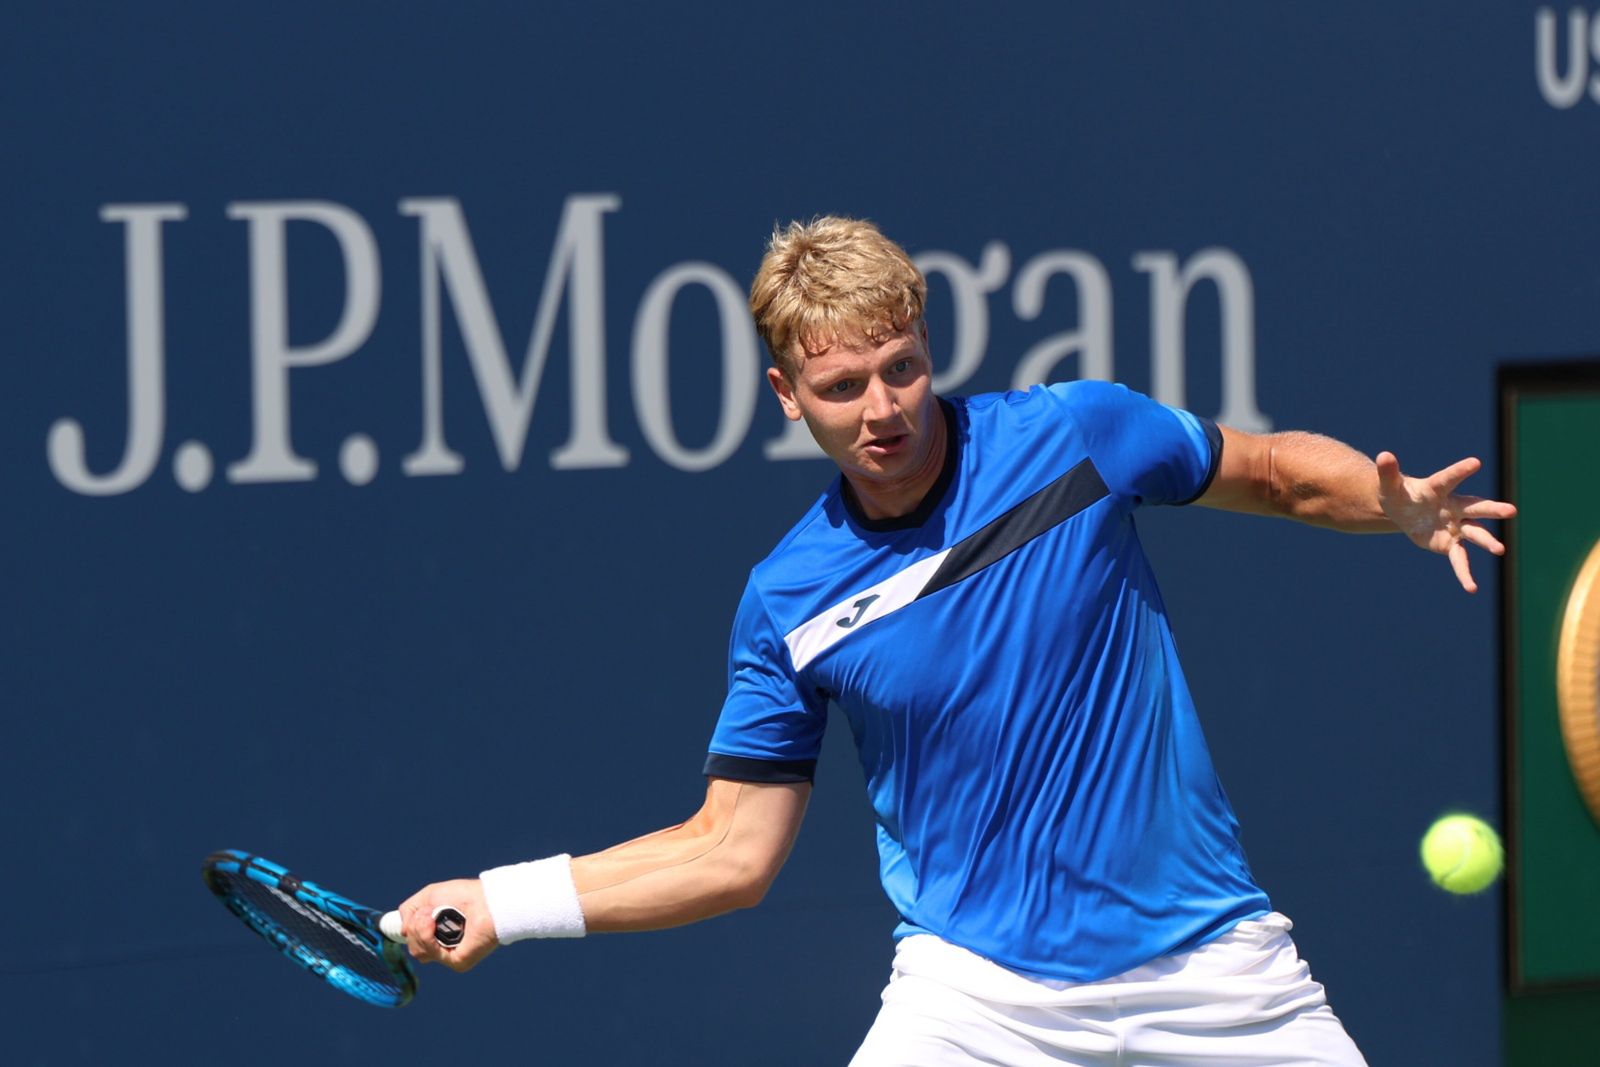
x=448, y=926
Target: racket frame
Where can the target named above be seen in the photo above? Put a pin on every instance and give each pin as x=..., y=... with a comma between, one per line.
x=355, y=922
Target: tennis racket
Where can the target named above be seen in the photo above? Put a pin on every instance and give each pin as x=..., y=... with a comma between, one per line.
x=355, y=949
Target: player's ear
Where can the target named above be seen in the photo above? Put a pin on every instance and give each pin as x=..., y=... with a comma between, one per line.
x=784, y=388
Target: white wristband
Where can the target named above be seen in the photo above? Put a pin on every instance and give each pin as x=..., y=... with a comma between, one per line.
x=536, y=899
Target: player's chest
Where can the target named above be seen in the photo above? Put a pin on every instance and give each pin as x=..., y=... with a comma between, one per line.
x=935, y=633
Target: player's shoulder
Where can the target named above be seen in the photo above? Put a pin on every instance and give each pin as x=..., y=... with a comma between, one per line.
x=1047, y=408
x=797, y=570
x=818, y=523
x=1050, y=400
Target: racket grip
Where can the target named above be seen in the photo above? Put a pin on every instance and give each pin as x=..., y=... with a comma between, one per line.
x=448, y=926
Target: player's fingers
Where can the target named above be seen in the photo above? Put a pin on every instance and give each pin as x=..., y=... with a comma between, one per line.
x=422, y=922
x=419, y=932
x=474, y=947
x=1478, y=508
x=427, y=952
x=1458, y=561
x=465, y=955
x=1471, y=531
x=458, y=961
x=1445, y=481
x=407, y=906
x=1389, y=479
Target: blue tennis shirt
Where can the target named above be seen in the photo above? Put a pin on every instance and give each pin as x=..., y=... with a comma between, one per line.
x=1043, y=793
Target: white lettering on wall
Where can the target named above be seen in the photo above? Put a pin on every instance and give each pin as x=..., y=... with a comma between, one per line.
x=1169, y=292
x=272, y=457
x=969, y=294
x=741, y=366
x=1091, y=341
x=577, y=266
x=1564, y=88
x=575, y=281
x=147, y=400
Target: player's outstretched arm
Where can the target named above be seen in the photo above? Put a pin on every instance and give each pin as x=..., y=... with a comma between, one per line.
x=1321, y=481
x=723, y=858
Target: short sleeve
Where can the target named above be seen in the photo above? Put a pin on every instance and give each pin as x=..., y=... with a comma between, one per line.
x=766, y=732
x=1146, y=451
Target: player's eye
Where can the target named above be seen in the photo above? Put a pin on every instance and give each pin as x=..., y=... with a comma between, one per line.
x=841, y=387
x=901, y=366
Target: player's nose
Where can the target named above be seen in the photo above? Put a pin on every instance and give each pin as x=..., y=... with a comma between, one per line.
x=882, y=404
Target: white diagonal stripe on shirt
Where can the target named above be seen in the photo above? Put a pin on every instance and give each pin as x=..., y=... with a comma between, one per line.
x=812, y=638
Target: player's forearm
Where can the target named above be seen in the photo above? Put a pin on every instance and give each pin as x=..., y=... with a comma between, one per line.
x=723, y=858
x=677, y=876
x=1317, y=480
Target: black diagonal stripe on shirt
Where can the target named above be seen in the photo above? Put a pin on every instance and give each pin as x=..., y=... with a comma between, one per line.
x=1049, y=507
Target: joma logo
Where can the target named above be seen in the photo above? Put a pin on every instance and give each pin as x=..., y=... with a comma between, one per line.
x=861, y=607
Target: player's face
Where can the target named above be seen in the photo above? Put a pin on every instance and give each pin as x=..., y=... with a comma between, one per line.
x=868, y=404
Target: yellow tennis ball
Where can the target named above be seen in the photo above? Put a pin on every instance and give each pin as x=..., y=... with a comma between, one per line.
x=1462, y=853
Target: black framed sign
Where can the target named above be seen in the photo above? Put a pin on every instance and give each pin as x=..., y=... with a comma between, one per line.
x=1550, y=464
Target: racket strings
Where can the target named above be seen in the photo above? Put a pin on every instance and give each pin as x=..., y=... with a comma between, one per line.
x=316, y=941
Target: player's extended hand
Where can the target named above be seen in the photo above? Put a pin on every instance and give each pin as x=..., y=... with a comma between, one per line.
x=1431, y=513
x=466, y=896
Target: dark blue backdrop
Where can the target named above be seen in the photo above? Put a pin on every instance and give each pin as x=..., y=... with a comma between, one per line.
x=395, y=682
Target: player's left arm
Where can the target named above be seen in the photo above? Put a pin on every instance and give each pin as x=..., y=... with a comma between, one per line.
x=1324, y=482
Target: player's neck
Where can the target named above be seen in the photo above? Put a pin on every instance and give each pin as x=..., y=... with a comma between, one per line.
x=892, y=499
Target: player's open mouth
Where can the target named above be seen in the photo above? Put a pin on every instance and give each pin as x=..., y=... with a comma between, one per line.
x=884, y=446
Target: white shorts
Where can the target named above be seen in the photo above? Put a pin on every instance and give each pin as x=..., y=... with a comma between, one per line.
x=1244, y=999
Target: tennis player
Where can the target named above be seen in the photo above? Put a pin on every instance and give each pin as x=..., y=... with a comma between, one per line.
x=972, y=594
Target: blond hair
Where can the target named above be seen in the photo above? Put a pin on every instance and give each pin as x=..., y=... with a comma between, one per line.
x=832, y=279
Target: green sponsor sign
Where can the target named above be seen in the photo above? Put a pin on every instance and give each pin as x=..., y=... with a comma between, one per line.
x=1550, y=424
x=1550, y=459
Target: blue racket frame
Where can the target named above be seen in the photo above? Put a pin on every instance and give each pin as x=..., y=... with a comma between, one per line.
x=360, y=920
